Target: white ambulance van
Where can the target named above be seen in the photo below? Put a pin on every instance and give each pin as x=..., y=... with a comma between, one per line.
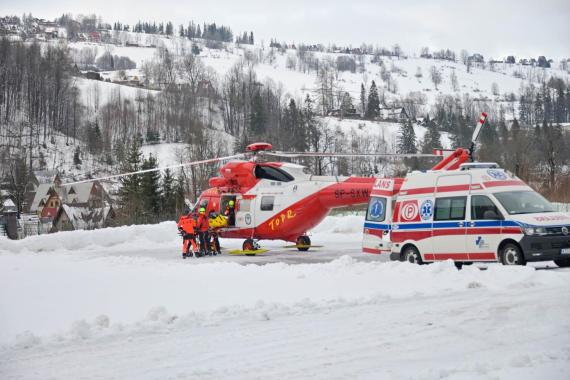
x=476, y=213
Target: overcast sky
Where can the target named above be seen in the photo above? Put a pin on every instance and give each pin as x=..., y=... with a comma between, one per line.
x=495, y=28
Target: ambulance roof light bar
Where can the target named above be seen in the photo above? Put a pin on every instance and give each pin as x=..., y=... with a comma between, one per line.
x=478, y=165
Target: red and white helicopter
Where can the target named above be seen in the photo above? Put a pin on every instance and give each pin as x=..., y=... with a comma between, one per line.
x=283, y=201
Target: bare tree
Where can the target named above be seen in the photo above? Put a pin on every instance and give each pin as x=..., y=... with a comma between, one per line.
x=454, y=81
x=435, y=76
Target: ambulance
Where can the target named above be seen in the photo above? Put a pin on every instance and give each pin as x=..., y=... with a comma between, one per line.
x=476, y=212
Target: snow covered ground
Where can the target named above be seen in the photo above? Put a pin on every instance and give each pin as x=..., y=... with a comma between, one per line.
x=120, y=303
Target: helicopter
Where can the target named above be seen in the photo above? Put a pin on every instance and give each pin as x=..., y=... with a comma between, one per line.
x=277, y=200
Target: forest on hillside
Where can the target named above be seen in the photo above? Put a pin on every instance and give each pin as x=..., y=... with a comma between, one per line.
x=40, y=101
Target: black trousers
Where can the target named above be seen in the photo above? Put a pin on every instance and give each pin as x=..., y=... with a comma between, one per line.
x=204, y=241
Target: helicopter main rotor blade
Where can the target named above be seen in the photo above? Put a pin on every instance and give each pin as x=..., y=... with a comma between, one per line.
x=322, y=154
x=193, y=163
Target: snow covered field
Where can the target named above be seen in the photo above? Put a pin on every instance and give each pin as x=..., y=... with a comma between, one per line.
x=120, y=303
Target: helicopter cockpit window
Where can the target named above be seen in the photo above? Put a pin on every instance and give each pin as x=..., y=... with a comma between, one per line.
x=273, y=174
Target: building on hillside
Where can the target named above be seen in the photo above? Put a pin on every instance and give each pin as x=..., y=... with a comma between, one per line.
x=72, y=218
x=348, y=114
x=395, y=114
x=476, y=58
x=94, y=36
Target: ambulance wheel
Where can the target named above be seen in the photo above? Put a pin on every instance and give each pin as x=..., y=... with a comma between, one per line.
x=458, y=264
x=248, y=245
x=562, y=263
x=303, y=240
x=412, y=255
x=511, y=254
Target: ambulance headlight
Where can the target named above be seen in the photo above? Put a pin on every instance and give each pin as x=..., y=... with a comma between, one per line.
x=534, y=231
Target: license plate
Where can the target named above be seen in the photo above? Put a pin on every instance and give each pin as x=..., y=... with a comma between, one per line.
x=565, y=251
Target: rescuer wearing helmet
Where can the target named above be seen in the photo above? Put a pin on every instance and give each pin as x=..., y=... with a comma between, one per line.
x=186, y=225
x=202, y=226
x=230, y=213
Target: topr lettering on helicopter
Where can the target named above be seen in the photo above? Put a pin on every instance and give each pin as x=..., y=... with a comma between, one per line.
x=280, y=219
x=352, y=193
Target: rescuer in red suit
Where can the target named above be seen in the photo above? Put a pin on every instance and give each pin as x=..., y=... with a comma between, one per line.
x=202, y=225
x=186, y=226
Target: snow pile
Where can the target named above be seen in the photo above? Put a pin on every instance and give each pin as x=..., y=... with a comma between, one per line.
x=147, y=236
x=142, y=235
x=347, y=224
x=135, y=292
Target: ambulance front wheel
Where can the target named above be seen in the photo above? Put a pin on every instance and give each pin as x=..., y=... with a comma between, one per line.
x=412, y=255
x=511, y=254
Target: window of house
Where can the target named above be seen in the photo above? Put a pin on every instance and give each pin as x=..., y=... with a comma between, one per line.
x=267, y=203
x=450, y=208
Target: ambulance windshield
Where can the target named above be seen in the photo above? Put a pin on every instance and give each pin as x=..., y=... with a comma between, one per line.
x=523, y=202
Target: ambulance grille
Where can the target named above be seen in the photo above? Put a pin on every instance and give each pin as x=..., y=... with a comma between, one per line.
x=557, y=230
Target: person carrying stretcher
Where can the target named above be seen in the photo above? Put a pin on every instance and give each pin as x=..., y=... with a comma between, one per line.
x=186, y=227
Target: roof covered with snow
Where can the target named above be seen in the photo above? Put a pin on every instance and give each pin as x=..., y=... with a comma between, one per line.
x=83, y=218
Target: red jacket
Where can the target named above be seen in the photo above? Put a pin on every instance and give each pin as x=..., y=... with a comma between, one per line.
x=187, y=223
x=203, y=223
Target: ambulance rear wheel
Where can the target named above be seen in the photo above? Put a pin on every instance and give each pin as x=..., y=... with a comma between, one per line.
x=303, y=240
x=412, y=255
x=511, y=254
x=562, y=263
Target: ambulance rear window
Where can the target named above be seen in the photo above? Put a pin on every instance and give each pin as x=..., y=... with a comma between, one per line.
x=376, y=209
x=450, y=208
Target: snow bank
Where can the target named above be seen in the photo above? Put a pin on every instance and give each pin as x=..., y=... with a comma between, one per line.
x=145, y=236
x=48, y=299
x=141, y=235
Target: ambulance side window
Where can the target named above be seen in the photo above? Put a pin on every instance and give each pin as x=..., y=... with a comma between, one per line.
x=483, y=208
x=450, y=208
x=376, y=209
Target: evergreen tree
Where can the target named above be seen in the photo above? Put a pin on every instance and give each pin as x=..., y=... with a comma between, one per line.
x=258, y=117
x=346, y=105
x=77, y=156
x=168, y=196
x=150, y=189
x=362, y=100
x=432, y=138
x=407, y=138
x=461, y=133
x=180, y=194
x=490, y=148
x=131, y=206
x=373, y=106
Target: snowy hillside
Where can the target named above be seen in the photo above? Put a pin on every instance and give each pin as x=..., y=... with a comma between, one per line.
x=121, y=303
x=271, y=64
